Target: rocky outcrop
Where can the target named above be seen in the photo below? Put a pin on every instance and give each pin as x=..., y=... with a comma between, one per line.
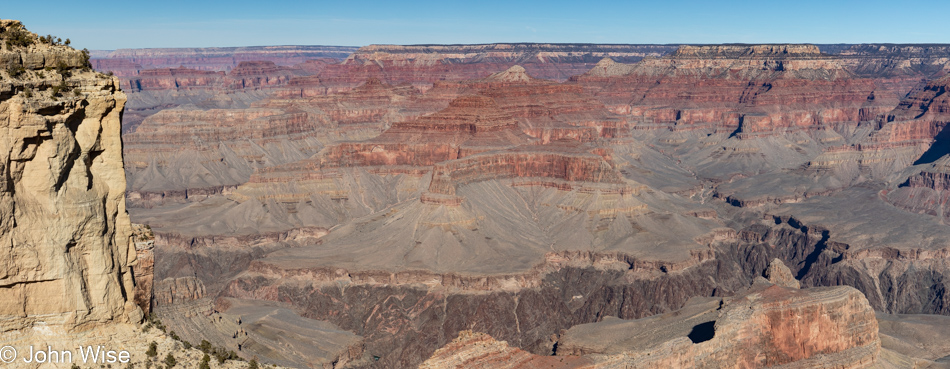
x=479, y=350
x=65, y=236
x=178, y=290
x=765, y=326
x=769, y=326
x=780, y=275
x=566, y=162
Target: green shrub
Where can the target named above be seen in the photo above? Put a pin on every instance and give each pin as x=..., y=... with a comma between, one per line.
x=152, y=350
x=58, y=89
x=63, y=69
x=15, y=70
x=205, y=346
x=16, y=36
x=170, y=361
x=85, y=57
x=205, y=362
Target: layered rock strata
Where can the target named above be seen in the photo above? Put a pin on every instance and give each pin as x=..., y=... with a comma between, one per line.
x=767, y=326
x=169, y=149
x=520, y=208
x=128, y=62
x=423, y=65
x=64, y=233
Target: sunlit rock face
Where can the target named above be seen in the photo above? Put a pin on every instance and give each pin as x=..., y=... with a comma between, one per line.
x=65, y=253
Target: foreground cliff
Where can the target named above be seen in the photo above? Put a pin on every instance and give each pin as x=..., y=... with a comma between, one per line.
x=65, y=253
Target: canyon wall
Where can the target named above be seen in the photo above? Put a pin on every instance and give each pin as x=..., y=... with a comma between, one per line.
x=65, y=236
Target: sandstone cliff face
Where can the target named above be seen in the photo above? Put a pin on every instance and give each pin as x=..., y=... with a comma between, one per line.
x=64, y=231
x=144, y=241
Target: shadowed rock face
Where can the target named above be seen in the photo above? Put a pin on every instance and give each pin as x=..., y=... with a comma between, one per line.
x=65, y=245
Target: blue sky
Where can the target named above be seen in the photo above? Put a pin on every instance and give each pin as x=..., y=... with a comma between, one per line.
x=176, y=23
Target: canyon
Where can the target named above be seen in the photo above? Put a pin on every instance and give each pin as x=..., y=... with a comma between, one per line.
x=464, y=206
x=456, y=206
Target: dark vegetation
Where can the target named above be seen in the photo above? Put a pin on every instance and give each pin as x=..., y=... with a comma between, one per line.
x=16, y=36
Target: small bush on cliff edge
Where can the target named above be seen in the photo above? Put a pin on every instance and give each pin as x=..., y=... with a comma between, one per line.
x=170, y=361
x=152, y=350
x=58, y=89
x=16, y=36
x=205, y=362
x=15, y=70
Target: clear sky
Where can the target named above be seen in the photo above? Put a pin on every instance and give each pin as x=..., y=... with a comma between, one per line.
x=112, y=24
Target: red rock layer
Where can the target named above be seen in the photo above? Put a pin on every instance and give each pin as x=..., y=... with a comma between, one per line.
x=920, y=117
x=561, y=160
x=545, y=109
x=373, y=102
x=749, y=90
x=471, y=124
x=472, y=140
x=906, y=134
